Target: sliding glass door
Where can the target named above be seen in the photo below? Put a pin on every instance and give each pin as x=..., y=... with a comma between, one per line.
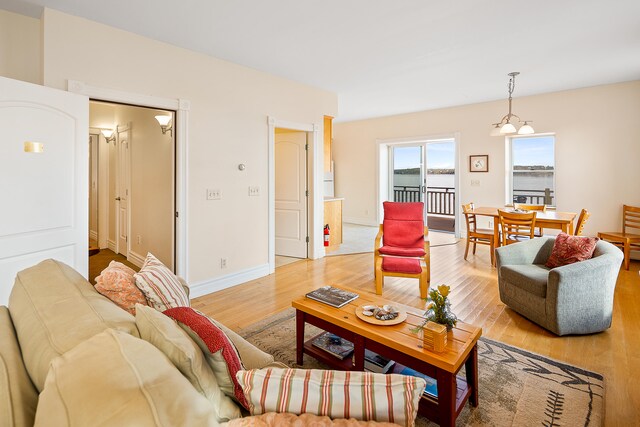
x=425, y=172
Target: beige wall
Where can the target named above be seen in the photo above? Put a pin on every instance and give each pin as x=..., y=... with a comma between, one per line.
x=20, y=47
x=597, y=150
x=227, y=126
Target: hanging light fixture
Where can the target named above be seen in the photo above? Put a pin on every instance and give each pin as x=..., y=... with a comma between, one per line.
x=507, y=125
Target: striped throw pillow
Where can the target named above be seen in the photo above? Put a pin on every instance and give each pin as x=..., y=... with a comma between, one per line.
x=161, y=287
x=337, y=394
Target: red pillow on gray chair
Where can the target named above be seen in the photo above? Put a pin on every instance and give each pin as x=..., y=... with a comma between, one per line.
x=570, y=249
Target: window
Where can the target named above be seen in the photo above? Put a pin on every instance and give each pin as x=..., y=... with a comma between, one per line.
x=533, y=170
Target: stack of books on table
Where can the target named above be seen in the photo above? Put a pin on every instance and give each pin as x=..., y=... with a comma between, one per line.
x=334, y=345
x=332, y=296
x=375, y=363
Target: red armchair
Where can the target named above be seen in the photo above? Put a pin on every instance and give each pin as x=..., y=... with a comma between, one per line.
x=405, y=248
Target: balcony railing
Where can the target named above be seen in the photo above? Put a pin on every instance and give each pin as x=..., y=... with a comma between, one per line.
x=534, y=197
x=442, y=200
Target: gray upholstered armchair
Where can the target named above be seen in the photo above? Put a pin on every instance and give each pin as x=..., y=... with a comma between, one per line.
x=573, y=299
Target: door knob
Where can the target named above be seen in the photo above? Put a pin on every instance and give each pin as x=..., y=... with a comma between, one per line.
x=118, y=198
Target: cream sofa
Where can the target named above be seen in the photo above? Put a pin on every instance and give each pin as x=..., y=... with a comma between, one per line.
x=56, y=338
x=69, y=356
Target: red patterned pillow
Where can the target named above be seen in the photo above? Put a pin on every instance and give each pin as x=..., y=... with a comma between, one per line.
x=569, y=249
x=218, y=349
x=116, y=282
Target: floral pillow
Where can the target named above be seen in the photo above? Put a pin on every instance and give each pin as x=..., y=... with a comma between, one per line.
x=570, y=249
x=116, y=282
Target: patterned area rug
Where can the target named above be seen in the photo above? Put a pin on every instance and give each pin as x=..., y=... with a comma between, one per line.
x=516, y=388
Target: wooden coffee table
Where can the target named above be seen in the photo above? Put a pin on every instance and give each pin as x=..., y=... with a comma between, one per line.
x=398, y=343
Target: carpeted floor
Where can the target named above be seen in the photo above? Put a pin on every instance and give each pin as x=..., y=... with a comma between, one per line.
x=516, y=387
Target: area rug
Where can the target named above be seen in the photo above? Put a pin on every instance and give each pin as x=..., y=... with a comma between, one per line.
x=516, y=387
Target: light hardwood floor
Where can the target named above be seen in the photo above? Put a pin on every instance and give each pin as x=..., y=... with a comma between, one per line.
x=614, y=353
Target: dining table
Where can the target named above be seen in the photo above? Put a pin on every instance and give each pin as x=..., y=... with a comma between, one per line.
x=544, y=219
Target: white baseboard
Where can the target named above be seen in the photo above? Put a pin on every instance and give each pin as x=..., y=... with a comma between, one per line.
x=111, y=245
x=93, y=235
x=136, y=259
x=224, y=282
x=359, y=221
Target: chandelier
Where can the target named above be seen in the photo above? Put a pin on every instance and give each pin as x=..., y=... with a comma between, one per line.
x=507, y=125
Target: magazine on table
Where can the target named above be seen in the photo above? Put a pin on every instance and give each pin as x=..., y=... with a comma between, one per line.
x=333, y=296
x=432, y=385
x=375, y=363
x=334, y=345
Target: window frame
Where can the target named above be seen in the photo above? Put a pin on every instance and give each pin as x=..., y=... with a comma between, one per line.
x=509, y=147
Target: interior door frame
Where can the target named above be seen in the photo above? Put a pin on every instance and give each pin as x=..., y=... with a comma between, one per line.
x=181, y=132
x=315, y=171
x=383, y=162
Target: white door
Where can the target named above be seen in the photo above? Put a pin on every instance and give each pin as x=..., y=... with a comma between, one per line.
x=123, y=189
x=45, y=194
x=291, y=193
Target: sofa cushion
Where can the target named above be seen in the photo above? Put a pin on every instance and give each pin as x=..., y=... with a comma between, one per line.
x=162, y=288
x=165, y=334
x=219, y=351
x=251, y=356
x=116, y=282
x=53, y=309
x=528, y=277
x=336, y=394
x=18, y=396
x=570, y=249
x=115, y=379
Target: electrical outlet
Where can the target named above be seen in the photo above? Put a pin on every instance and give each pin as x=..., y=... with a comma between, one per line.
x=139, y=238
x=475, y=183
x=214, y=194
x=490, y=224
x=254, y=191
x=223, y=263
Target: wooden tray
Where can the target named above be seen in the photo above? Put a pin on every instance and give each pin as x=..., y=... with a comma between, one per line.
x=402, y=316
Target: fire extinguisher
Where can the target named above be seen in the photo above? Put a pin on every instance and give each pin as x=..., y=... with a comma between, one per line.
x=326, y=234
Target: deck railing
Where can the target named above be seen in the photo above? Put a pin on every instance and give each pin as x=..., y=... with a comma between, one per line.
x=534, y=197
x=442, y=200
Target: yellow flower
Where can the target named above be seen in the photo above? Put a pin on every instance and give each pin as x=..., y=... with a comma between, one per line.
x=444, y=290
x=430, y=306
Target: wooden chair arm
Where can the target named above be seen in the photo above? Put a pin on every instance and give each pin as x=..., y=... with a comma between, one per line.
x=376, y=245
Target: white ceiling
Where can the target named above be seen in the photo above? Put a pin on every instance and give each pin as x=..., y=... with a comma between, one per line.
x=386, y=57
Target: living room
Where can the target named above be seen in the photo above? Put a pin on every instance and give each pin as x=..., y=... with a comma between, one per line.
x=228, y=121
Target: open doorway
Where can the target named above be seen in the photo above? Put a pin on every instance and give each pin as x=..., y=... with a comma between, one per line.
x=132, y=185
x=291, y=196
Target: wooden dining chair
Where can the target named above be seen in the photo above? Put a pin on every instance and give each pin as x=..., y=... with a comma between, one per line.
x=582, y=218
x=516, y=226
x=527, y=207
x=477, y=235
x=629, y=237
